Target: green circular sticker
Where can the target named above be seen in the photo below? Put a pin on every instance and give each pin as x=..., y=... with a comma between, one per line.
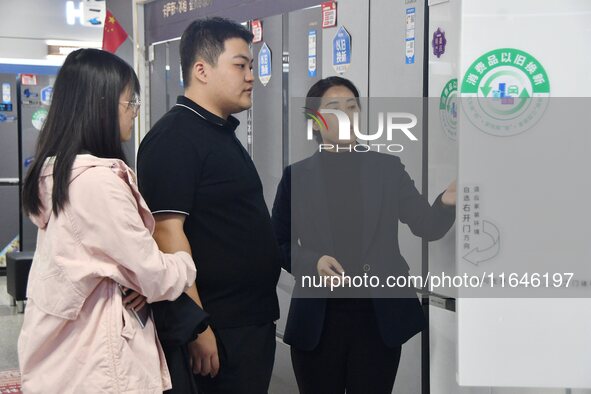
x=448, y=108
x=505, y=92
x=39, y=118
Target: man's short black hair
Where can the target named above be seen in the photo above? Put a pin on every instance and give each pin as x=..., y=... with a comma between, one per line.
x=205, y=38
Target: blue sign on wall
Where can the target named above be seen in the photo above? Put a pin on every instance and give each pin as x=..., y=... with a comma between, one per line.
x=341, y=50
x=265, y=64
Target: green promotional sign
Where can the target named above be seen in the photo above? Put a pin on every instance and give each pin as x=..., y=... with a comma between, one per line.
x=39, y=118
x=505, y=91
x=448, y=108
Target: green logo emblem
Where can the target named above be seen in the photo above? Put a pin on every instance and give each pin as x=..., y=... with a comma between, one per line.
x=505, y=92
x=39, y=118
x=448, y=108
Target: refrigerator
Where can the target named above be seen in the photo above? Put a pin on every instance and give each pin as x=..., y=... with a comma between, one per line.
x=9, y=172
x=34, y=97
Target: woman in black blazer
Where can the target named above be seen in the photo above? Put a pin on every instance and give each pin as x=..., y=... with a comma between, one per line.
x=337, y=213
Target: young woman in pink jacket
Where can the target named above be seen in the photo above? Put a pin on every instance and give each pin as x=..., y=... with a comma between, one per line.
x=95, y=233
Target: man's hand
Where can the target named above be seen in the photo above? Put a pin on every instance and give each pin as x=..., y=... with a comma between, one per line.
x=171, y=237
x=449, y=197
x=204, y=354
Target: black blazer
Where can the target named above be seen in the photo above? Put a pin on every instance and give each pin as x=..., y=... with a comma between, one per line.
x=388, y=194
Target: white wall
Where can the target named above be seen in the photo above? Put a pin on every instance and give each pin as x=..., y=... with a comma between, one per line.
x=26, y=25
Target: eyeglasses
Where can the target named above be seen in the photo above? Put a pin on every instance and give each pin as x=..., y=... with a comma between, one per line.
x=134, y=104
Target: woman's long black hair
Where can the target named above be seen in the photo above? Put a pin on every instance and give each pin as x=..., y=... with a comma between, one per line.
x=314, y=96
x=83, y=118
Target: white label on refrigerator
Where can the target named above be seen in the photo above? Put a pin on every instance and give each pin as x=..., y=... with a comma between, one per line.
x=312, y=53
x=6, y=94
x=410, y=35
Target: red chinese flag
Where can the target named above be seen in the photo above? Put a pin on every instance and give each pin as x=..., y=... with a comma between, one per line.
x=113, y=34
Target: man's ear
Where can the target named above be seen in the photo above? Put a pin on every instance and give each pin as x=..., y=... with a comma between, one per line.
x=200, y=71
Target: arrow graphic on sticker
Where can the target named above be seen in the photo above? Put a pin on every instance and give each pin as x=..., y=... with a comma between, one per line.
x=477, y=255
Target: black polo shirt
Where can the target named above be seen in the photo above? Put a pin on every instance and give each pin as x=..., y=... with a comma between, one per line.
x=192, y=163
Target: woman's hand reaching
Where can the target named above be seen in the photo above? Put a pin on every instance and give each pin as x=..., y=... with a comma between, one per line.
x=133, y=299
x=449, y=197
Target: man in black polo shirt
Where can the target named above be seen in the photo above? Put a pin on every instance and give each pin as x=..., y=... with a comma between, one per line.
x=207, y=198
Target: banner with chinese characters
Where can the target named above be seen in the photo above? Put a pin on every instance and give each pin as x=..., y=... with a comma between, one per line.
x=167, y=19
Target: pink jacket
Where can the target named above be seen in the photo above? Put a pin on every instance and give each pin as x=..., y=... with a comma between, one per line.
x=77, y=337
